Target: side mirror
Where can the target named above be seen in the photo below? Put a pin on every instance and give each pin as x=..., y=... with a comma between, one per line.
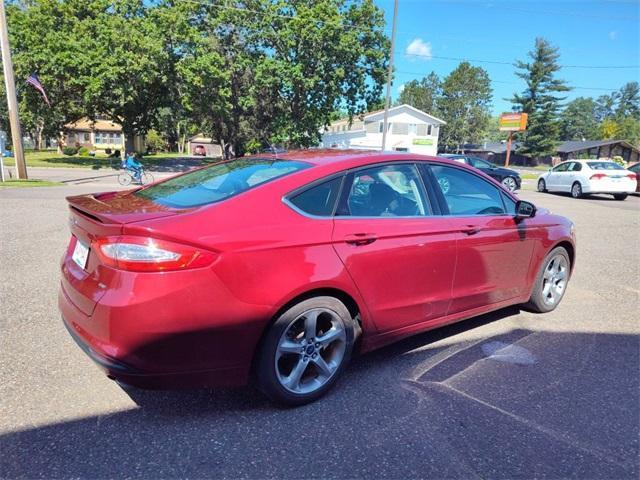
x=525, y=210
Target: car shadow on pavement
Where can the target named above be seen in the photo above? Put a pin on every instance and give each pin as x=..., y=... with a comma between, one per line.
x=518, y=404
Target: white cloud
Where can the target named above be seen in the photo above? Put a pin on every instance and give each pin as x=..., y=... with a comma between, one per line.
x=419, y=48
x=613, y=34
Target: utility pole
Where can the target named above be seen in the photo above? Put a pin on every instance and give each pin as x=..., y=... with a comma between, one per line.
x=12, y=100
x=385, y=123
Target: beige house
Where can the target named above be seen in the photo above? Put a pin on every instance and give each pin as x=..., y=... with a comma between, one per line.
x=99, y=134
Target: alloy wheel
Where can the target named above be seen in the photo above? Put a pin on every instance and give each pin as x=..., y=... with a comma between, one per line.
x=541, y=185
x=509, y=183
x=554, y=279
x=310, y=351
x=576, y=190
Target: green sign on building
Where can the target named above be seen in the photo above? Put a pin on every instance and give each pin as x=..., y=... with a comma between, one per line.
x=423, y=141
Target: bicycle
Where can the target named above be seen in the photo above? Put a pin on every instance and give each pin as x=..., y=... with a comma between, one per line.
x=128, y=176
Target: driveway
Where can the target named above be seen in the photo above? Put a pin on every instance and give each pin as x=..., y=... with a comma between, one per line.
x=505, y=395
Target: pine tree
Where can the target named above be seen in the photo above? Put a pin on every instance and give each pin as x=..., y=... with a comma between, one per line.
x=539, y=99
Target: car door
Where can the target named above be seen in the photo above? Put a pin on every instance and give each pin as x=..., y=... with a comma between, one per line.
x=400, y=255
x=493, y=250
x=556, y=177
x=485, y=167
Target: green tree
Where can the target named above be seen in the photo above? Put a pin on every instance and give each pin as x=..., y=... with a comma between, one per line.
x=423, y=94
x=628, y=101
x=578, y=120
x=540, y=99
x=464, y=105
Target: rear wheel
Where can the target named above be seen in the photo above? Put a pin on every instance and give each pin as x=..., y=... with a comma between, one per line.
x=542, y=186
x=620, y=196
x=576, y=190
x=551, y=282
x=305, y=351
x=510, y=183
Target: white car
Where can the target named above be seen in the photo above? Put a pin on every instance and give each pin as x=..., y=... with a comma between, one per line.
x=583, y=177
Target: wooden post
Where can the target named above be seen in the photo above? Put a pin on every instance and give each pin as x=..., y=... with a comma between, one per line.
x=12, y=100
x=506, y=162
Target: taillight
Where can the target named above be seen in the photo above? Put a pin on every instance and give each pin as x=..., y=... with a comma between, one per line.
x=142, y=254
x=597, y=176
x=632, y=176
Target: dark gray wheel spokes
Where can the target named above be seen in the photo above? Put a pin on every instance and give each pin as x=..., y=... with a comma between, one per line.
x=554, y=280
x=310, y=350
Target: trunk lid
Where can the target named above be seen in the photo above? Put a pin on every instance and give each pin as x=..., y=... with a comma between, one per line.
x=99, y=215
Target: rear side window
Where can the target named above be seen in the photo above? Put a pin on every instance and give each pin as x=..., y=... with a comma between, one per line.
x=218, y=182
x=319, y=200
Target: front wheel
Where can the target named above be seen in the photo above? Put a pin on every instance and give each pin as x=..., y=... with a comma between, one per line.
x=576, y=190
x=542, y=186
x=125, y=179
x=305, y=351
x=551, y=282
x=620, y=196
x=510, y=183
x=146, y=178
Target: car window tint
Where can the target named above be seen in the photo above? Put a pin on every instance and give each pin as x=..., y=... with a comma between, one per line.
x=479, y=163
x=466, y=193
x=635, y=168
x=562, y=167
x=576, y=167
x=217, y=182
x=509, y=204
x=320, y=199
x=604, y=166
x=387, y=191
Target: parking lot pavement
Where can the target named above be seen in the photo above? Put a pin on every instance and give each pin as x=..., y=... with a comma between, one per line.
x=505, y=395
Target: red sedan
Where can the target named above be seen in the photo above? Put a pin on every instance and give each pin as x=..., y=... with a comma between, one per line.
x=279, y=269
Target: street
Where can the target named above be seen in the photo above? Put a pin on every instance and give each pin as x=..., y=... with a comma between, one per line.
x=505, y=395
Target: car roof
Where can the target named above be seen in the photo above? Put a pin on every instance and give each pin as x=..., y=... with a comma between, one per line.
x=336, y=157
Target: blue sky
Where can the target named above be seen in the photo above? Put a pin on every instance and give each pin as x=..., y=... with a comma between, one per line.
x=588, y=33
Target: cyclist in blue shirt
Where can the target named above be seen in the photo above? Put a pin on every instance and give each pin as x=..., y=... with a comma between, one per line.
x=131, y=163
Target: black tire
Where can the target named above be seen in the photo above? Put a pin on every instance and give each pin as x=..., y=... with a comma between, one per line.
x=620, y=196
x=537, y=301
x=510, y=183
x=576, y=190
x=267, y=376
x=542, y=185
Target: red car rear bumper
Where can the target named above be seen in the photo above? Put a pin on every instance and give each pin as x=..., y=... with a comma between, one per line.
x=195, y=335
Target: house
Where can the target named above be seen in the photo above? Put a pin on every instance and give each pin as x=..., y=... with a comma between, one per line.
x=204, y=146
x=598, y=149
x=98, y=134
x=408, y=130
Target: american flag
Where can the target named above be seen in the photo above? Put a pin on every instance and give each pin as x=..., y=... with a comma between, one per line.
x=35, y=82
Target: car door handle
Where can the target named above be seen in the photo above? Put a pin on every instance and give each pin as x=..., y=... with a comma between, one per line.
x=359, y=239
x=470, y=229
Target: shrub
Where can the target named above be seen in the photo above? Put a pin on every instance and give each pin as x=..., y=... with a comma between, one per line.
x=154, y=141
x=83, y=151
x=69, y=150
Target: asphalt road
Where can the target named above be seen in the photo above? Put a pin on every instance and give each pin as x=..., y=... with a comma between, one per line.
x=506, y=395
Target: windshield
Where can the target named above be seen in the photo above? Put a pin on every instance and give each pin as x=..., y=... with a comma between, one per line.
x=604, y=166
x=218, y=182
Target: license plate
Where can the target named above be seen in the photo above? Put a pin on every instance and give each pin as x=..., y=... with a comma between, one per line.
x=80, y=254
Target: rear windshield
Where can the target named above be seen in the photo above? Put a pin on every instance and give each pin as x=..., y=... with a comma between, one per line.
x=604, y=166
x=218, y=182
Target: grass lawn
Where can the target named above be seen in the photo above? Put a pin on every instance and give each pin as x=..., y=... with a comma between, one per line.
x=50, y=158
x=529, y=176
x=28, y=183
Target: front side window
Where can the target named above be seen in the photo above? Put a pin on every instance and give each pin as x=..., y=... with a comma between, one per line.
x=318, y=200
x=387, y=191
x=217, y=182
x=562, y=167
x=576, y=167
x=466, y=193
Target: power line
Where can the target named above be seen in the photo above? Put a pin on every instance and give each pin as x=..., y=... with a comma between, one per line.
x=497, y=62
x=506, y=82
